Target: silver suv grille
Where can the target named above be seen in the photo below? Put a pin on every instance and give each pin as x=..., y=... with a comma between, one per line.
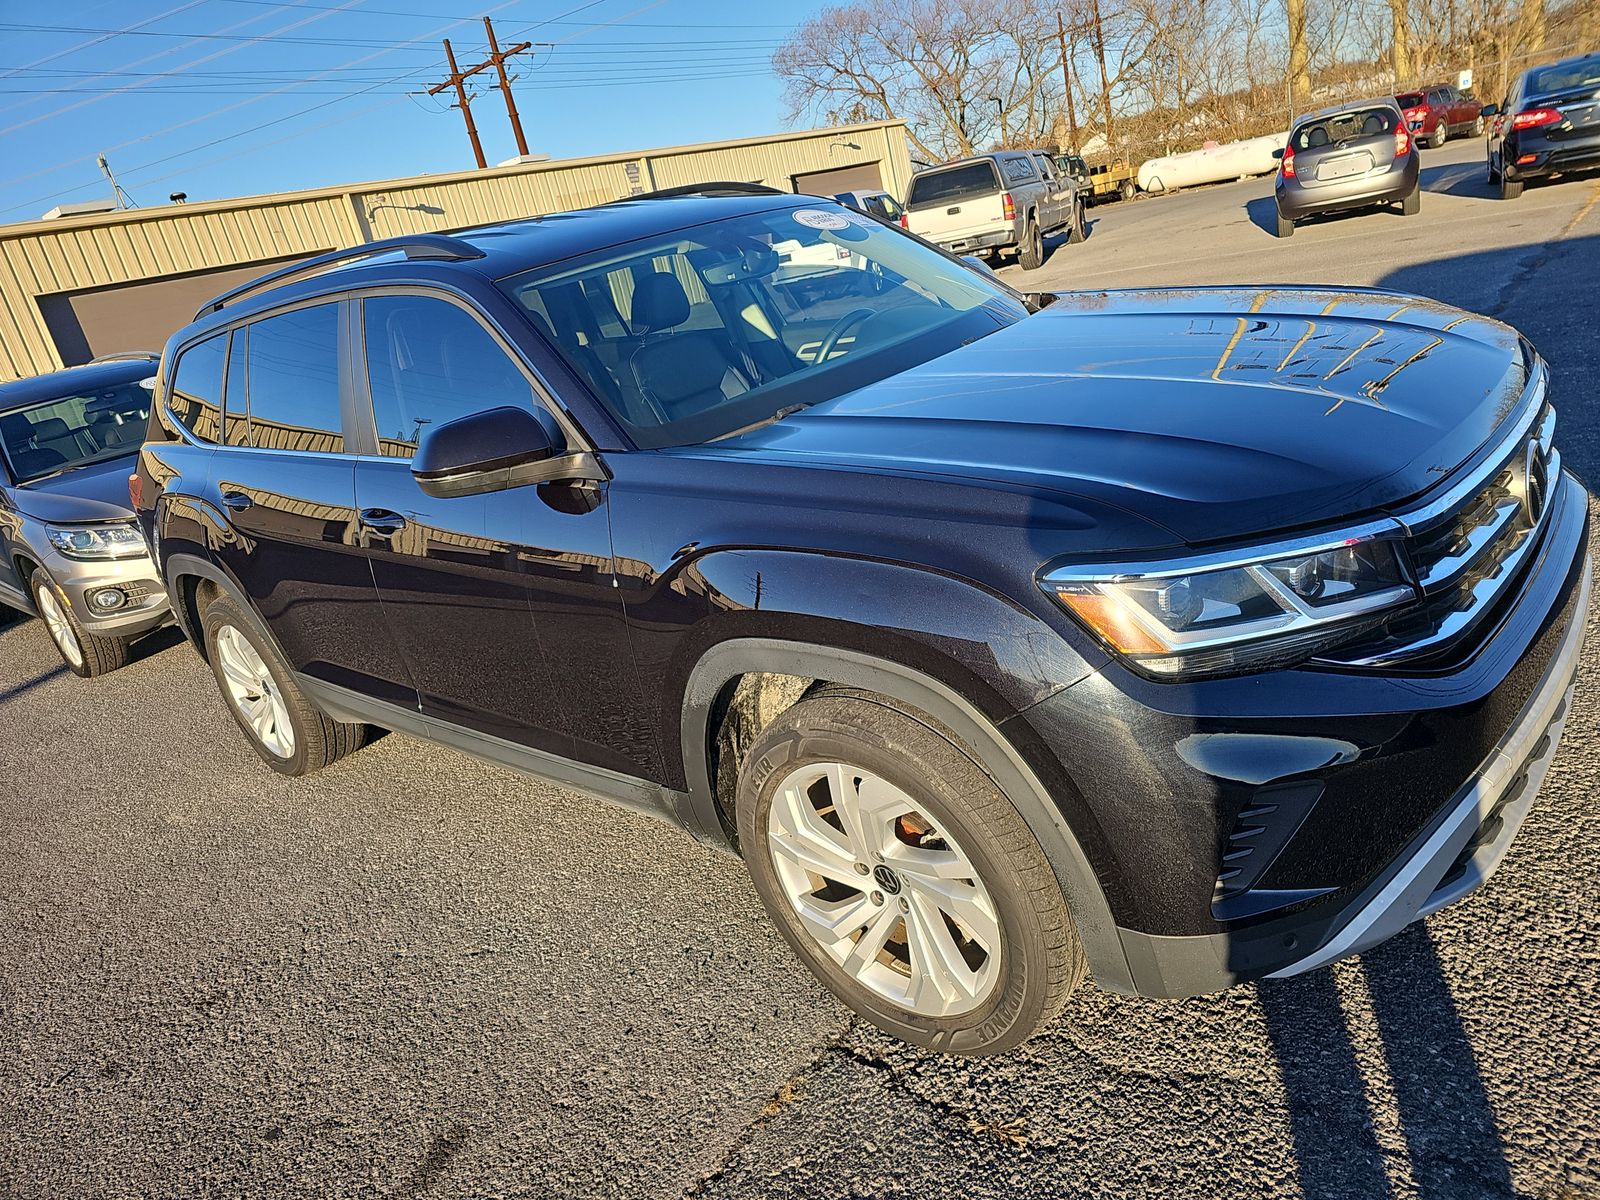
x=1468, y=548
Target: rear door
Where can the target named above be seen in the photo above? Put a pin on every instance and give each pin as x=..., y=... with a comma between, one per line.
x=285, y=482
x=950, y=204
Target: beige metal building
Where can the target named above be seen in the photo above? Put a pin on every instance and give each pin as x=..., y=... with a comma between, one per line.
x=75, y=287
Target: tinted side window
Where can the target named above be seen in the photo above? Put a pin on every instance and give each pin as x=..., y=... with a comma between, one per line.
x=293, y=369
x=430, y=362
x=1019, y=170
x=196, y=395
x=235, y=417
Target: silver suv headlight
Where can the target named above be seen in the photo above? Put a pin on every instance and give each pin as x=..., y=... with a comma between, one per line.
x=1238, y=612
x=97, y=541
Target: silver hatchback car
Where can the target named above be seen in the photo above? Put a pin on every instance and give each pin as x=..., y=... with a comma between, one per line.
x=70, y=551
x=1347, y=156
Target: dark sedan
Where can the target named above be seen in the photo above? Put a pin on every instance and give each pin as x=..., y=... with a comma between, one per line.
x=1549, y=124
x=1346, y=157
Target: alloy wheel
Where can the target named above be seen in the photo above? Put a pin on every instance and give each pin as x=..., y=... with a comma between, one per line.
x=252, y=692
x=55, y=620
x=888, y=896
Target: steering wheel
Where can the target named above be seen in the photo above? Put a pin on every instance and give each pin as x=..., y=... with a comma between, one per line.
x=837, y=331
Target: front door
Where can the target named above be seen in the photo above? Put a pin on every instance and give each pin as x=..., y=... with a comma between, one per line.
x=504, y=604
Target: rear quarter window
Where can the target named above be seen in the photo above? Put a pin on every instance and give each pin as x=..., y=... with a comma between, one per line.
x=952, y=185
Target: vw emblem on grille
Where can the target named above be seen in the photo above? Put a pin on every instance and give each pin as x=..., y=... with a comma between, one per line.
x=1534, y=482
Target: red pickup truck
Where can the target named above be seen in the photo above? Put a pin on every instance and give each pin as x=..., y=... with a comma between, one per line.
x=1438, y=112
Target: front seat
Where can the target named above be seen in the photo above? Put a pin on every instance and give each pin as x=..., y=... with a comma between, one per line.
x=686, y=372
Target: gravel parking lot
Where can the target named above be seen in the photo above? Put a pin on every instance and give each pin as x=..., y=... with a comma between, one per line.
x=415, y=974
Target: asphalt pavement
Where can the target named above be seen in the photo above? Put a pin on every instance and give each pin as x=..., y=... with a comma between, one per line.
x=415, y=974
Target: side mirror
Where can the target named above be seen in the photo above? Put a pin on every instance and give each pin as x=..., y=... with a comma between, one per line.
x=1490, y=110
x=1277, y=154
x=488, y=452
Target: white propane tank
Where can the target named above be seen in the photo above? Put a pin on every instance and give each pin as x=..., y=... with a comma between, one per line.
x=1212, y=163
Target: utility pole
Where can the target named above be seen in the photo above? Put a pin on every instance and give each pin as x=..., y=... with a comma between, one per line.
x=499, y=61
x=1066, y=84
x=1105, y=80
x=457, y=80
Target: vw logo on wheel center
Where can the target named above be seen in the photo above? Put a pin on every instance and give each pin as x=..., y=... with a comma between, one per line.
x=886, y=879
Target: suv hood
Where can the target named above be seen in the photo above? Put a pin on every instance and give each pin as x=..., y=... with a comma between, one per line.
x=96, y=492
x=1216, y=413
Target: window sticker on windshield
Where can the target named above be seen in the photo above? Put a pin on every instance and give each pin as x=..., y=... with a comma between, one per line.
x=816, y=218
x=148, y=383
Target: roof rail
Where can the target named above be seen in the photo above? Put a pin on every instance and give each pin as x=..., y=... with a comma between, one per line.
x=125, y=356
x=721, y=188
x=415, y=245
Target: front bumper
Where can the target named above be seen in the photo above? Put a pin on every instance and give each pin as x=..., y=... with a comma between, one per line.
x=1361, y=799
x=145, y=600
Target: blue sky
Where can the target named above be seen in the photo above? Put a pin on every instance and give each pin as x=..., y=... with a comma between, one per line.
x=230, y=97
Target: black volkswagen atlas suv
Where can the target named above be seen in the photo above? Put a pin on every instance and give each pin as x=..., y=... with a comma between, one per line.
x=1177, y=637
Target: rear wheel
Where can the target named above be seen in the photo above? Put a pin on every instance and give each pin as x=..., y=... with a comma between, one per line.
x=1477, y=126
x=1031, y=252
x=903, y=878
x=1441, y=135
x=84, y=653
x=292, y=735
x=1285, y=226
x=1412, y=204
x=1494, y=170
x=1510, y=189
x=1127, y=191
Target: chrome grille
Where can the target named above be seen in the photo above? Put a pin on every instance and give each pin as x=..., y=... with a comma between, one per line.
x=1466, y=550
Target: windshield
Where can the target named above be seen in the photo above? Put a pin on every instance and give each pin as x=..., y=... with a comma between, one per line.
x=705, y=331
x=952, y=185
x=1565, y=77
x=70, y=431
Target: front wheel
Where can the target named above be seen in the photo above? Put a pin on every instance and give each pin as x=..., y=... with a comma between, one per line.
x=291, y=734
x=86, y=654
x=903, y=878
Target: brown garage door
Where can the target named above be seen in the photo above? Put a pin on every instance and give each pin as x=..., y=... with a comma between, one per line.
x=136, y=316
x=841, y=179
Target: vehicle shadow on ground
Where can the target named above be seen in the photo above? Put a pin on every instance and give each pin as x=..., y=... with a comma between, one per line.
x=27, y=685
x=1459, y=179
x=1439, y=1098
x=1263, y=213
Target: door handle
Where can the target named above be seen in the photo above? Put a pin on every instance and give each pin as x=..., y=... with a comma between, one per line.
x=237, y=501
x=382, y=521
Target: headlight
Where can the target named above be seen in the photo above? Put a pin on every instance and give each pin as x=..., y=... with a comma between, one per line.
x=96, y=541
x=1178, y=622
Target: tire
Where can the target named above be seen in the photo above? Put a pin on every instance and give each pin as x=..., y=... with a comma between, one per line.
x=1477, y=126
x=1494, y=173
x=1005, y=953
x=1441, y=136
x=1412, y=204
x=1510, y=189
x=1285, y=226
x=1127, y=191
x=313, y=738
x=85, y=654
x=1031, y=252
x=1075, y=233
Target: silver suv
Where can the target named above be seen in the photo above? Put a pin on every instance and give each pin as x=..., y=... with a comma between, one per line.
x=70, y=551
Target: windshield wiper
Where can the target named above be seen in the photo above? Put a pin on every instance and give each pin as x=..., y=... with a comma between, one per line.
x=786, y=411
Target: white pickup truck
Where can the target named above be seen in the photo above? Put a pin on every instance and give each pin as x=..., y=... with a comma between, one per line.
x=995, y=204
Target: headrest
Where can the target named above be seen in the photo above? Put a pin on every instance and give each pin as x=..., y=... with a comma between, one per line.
x=50, y=428
x=1372, y=125
x=1319, y=137
x=659, y=302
